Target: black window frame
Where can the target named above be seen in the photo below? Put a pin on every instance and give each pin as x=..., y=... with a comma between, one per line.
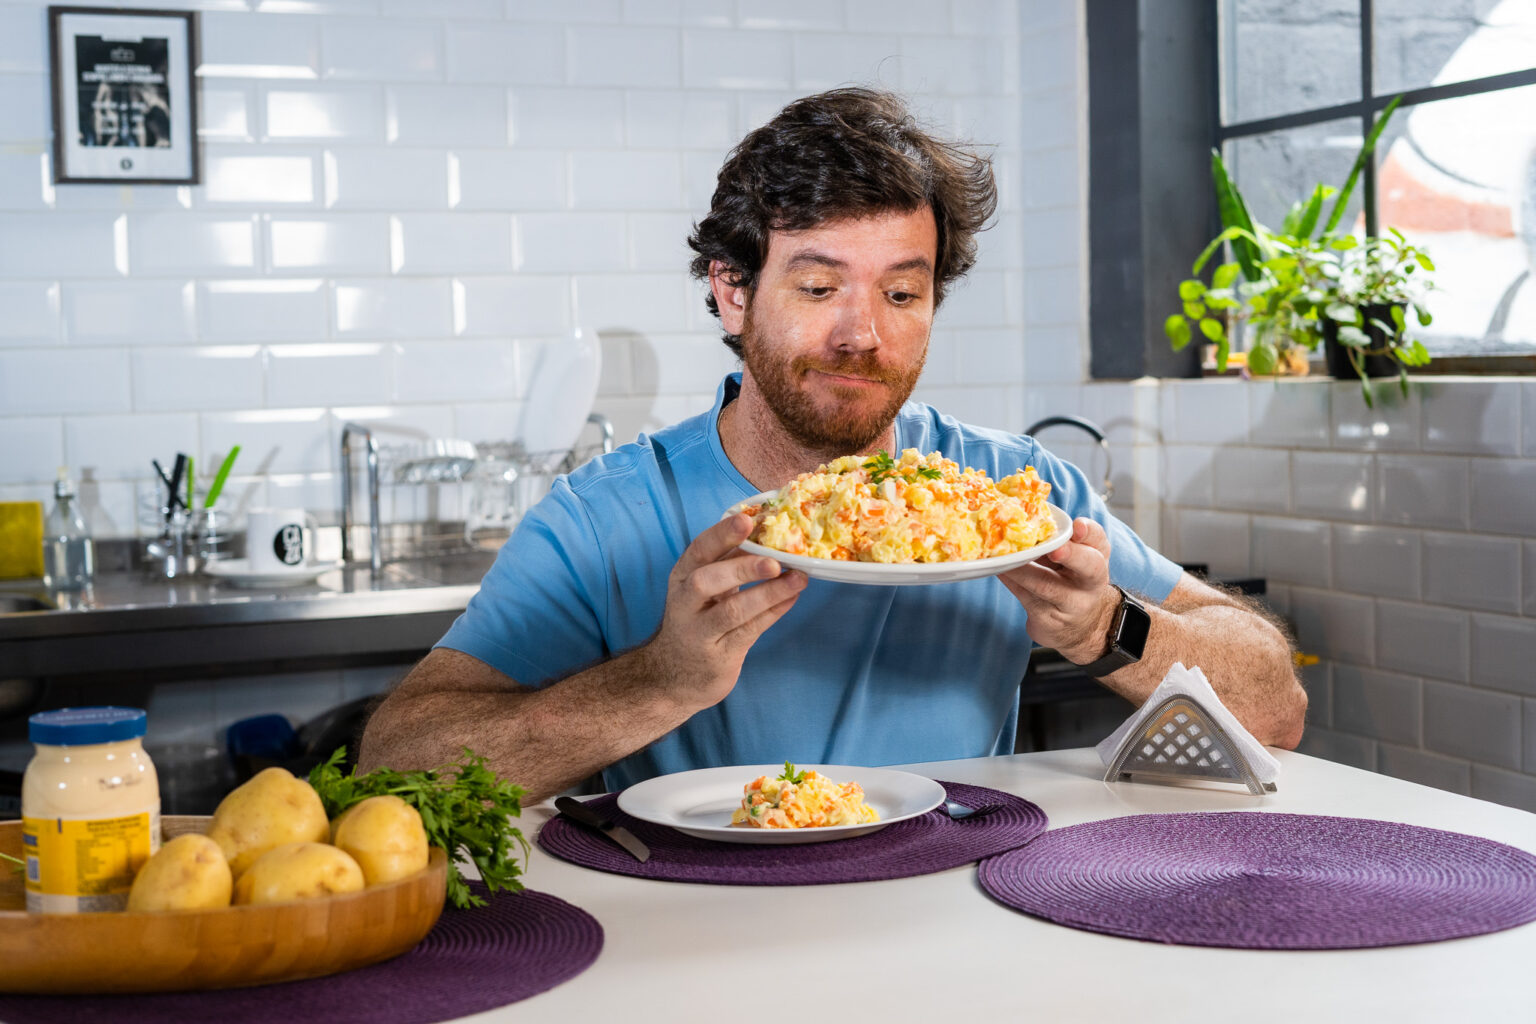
x=1154, y=115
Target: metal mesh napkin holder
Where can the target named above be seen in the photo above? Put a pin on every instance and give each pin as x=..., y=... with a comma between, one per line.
x=1180, y=740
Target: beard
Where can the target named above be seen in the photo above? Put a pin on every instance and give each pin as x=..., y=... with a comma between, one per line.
x=855, y=420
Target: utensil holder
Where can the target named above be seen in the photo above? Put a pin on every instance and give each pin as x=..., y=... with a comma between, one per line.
x=173, y=554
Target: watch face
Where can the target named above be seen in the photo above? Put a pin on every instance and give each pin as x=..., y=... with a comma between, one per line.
x=1134, y=627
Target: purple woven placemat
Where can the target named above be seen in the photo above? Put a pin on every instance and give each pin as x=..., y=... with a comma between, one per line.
x=930, y=842
x=517, y=946
x=1250, y=880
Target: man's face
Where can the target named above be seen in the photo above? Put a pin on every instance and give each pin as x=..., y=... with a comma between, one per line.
x=836, y=330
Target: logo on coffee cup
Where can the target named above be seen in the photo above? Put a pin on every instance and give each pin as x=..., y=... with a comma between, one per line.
x=288, y=544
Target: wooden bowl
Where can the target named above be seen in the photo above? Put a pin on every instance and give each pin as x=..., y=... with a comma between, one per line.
x=182, y=950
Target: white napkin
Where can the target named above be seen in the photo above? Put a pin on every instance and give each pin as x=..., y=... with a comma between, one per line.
x=1191, y=682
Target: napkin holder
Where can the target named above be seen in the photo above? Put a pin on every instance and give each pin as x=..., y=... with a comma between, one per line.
x=1180, y=740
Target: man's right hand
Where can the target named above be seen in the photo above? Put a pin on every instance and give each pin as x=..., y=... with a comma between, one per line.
x=713, y=617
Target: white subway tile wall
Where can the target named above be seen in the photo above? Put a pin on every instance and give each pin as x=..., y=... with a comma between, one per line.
x=1400, y=552
x=402, y=200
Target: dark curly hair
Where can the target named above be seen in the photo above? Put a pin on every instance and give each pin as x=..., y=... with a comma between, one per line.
x=846, y=153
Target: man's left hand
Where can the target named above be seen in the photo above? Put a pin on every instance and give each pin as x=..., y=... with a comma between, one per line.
x=1067, y=594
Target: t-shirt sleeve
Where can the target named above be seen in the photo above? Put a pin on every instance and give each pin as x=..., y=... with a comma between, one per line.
x=536, y=617
x=1132, y=564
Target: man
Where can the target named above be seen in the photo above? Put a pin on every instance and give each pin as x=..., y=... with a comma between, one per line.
x=622, y=630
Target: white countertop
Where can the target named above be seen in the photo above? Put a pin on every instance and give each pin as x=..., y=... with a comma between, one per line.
x=936, y=948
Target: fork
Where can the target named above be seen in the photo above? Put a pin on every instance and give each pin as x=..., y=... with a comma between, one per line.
x=960, y=812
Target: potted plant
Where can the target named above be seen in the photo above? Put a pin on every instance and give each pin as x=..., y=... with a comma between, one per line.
x=1299, y=287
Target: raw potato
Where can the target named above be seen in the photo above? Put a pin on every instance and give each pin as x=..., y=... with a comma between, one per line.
x=298, y=871
x=270, y=810
x=384, y=835
x=188, y=873
x=343, y=816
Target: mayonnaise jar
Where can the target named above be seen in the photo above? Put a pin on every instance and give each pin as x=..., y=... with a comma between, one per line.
x=90, y=808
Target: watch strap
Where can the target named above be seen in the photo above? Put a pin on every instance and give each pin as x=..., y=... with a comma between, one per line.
x=1117, y=657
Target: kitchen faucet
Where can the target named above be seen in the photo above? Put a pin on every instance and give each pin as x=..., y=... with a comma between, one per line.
x=1090, y=428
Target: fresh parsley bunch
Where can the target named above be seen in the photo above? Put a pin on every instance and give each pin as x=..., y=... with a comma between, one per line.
x=463, y=806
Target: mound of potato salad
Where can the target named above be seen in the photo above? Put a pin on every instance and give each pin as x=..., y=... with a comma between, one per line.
x=918, y=508
x=805, y=799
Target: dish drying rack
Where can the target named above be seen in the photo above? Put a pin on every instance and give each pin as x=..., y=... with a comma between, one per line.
x=521, y=477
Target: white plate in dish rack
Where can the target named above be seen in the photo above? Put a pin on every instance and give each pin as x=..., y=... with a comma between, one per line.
x=905, y=574
x=238, y=571
x=699, y=803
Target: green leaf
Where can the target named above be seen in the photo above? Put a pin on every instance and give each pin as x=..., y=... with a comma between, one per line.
x=1343, y=312
x=1234, y=214
x=1353, y=337
x=1177, y=329
x=1399, y=318
x=1230, y=234
x=1343, y=243
x=1194, y=310
x=1414, y=354
x=790, y=775
x=1225, y=275
x=1314, y=209
x=1262, y=359
x=1212, y=328
x=1223, y=350
x=1360, y=158
x=1191, y=290
x=1425, y=261
x=1424, y=318
x=1291, y=223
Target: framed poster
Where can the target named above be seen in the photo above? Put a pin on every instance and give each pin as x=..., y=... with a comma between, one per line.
x=124, y=95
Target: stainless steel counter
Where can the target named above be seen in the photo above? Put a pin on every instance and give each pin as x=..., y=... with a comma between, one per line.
x=131, y=622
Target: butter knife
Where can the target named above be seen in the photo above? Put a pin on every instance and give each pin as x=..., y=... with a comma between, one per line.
x=584, y=815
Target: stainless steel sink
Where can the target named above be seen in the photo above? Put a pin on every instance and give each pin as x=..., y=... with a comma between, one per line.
x=12, y=603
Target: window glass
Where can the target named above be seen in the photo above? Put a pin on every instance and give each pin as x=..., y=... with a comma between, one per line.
x=1460, y=180
x=1284, y=56
x=1420, y=43
x=1277, y=169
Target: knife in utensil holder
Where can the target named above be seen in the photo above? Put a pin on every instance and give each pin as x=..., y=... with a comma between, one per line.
x=584, y=815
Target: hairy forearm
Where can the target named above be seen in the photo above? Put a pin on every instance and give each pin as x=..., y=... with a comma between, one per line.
x=1245, y=657
x=544, y=740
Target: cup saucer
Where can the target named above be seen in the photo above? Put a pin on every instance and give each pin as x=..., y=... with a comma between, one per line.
x=238, y=571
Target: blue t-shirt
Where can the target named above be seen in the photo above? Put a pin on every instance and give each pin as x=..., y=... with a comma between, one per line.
x=860, y=675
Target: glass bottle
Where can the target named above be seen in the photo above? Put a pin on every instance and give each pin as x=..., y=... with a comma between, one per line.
x=69, y=555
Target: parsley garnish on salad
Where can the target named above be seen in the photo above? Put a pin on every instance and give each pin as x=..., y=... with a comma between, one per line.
x=464, y=808
x=882, y=467
x=790, y=775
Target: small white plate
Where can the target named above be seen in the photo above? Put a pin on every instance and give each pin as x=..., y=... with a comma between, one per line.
x=238, y=571
x=699, y=803
x=904, y=574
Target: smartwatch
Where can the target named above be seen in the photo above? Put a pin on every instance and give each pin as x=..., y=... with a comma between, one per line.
x=1127, y=637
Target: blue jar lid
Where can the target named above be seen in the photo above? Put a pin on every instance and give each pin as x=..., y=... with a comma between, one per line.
x=76, y=727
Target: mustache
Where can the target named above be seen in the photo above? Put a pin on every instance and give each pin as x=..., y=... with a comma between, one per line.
x=864, y=364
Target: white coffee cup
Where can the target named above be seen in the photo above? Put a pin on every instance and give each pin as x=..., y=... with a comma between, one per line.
x=278, y=539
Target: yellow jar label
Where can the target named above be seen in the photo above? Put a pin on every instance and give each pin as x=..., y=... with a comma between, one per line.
x=85, y=865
